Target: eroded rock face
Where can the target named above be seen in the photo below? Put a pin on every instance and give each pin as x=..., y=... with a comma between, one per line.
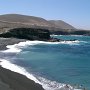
x=27, y=33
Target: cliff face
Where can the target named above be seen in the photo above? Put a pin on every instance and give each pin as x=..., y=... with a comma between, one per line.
x=27, y=33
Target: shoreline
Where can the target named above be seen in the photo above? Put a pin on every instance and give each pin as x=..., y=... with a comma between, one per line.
x=33, y=84
x=16, y=81
x=10, y=80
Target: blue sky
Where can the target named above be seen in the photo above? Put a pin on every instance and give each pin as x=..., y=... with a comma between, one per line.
x=75, y=12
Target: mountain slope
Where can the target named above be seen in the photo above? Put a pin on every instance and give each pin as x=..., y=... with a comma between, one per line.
x=61, y=24
x=35, y=21
x=24, y=19
x=12, y=21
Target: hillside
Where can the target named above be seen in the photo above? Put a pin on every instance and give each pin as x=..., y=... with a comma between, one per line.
x=24, y=19
x=12, y=21
x=61, y=24
x=16, y=19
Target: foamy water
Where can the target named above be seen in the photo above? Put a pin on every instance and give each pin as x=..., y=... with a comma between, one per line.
x=17, y=47
x=47, y=84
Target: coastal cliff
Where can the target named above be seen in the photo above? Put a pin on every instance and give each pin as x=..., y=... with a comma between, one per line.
x=26, y=33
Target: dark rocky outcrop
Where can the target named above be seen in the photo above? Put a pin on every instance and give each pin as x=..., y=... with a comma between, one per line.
x=27, y=33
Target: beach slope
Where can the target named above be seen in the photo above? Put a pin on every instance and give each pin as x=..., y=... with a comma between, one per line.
x=11, y=80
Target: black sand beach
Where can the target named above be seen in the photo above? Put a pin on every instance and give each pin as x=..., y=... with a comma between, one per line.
x=13, y=81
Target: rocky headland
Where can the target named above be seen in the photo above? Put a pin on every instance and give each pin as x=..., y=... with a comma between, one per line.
x=26, y=33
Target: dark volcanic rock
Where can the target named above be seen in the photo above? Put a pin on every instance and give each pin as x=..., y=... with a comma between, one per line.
x=27, y=33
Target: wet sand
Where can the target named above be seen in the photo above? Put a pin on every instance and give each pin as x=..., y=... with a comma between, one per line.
x=11, y=80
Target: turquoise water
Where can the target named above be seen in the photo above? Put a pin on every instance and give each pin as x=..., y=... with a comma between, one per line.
x=64, y=62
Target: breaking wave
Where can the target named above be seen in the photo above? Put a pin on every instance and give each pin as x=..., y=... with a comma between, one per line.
x=46, y=84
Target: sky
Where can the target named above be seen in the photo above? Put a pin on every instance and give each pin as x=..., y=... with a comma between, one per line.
x=74, y=12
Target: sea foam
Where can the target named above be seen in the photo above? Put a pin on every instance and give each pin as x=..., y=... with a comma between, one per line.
x=46, y=84
x=18, y=47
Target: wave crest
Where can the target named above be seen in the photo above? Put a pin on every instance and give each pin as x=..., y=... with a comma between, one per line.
x=16, y=48
x=47, y=84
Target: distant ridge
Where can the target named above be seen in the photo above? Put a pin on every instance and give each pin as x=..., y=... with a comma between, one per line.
x=32, y=20
x=24, y=19
x=61, y=24
x=58, y=27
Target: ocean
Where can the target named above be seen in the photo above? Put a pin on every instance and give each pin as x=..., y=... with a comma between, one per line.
x=54, y=65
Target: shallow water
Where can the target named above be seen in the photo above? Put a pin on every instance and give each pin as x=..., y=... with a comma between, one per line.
x=64, y=62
